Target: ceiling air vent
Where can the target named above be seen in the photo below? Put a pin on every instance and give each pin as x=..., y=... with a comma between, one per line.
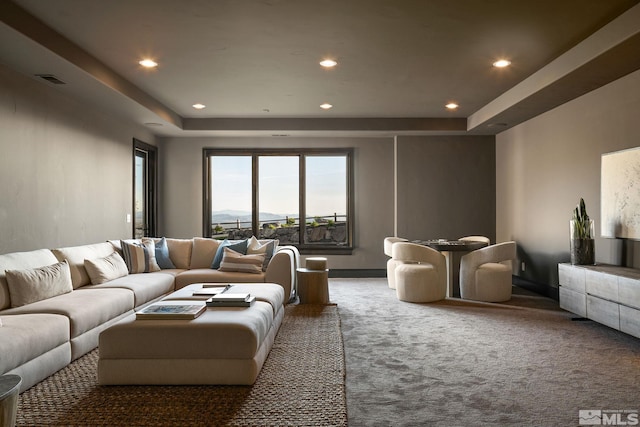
x=51, y=79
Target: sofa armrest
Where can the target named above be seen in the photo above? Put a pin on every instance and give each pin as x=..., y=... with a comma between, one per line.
x=282, y=270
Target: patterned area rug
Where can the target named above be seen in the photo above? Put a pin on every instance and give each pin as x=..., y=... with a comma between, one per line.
x=302, y=383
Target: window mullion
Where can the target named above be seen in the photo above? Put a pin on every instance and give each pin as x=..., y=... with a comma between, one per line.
x=303, y=200
x=255, y=211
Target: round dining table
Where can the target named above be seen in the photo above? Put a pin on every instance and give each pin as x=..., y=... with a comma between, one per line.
x=453, y=250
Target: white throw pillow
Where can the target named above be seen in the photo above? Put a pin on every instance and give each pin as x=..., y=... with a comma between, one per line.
x=102, y=270
x=268, y=248
x=235, y=261
x=37, y=284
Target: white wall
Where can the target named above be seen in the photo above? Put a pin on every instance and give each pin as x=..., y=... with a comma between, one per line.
x=544, y=167
x=65, y=168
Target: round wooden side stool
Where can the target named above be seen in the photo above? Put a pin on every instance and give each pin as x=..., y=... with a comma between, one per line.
x=313, y=281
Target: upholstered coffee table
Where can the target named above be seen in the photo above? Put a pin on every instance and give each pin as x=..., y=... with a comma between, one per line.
x=222, y=346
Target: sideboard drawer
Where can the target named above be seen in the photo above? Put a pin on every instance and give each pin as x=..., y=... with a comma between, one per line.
x=571, y=277
x=629, y=291
x=575, y=302
x=630, y=321
x=602, y=285
x=605, y=312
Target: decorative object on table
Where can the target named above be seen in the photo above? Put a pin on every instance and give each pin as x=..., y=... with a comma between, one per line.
x=208, y=292
x=582, y=236
x=476, y=239
x=229, y=299
x=171, y=311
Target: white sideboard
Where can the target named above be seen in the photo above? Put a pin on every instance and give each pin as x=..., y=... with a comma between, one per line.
x=607, y=294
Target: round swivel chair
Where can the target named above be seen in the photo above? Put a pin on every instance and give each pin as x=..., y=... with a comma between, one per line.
x=421, y=273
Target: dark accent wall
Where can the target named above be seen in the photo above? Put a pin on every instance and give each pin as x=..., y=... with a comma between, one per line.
x=446, y=187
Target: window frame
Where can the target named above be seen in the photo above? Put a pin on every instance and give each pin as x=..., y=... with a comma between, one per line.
x=301, y=153
x=150, y=185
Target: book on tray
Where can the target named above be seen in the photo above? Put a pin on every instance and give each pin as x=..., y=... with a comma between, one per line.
x=217, y=285
x=231, y=300
x=231, y=296
x=171, y=311
x=208, y=291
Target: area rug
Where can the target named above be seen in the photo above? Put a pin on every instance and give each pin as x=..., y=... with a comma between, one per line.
x=302, y=383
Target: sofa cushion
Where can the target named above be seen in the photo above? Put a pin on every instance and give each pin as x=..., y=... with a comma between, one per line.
x=180, y=252
x=162, y=254
x=140, y=257
x=21, y=261
x=235, y=261
x=27, y=336
x=76, y=256
x=102, y=270
x=238, y=246
x=37, y=284
x=145, y=286
x=85, y=308
x=266, y=247
x=204, y=250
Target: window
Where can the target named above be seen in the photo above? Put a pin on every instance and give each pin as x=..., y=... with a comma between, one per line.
x=144, y=189
x=300, y=197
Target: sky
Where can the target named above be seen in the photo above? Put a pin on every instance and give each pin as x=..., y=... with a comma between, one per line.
x=278, y=182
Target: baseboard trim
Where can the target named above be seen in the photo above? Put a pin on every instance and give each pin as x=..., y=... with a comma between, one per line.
x=354, y=273
x=357, y=273
x=538, y=288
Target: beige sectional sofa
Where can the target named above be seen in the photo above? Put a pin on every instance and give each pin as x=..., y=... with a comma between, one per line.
x=53, y=306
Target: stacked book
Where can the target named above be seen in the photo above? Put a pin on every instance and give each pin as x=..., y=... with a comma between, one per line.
x=171, y=311
x=231, y=299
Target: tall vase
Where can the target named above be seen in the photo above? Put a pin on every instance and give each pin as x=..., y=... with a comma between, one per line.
x=582, y=243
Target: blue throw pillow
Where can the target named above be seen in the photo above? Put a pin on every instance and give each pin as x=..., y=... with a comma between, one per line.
x=162, y=255
x=240, y=247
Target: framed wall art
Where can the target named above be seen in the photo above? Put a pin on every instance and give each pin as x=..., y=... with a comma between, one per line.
x=620, y=194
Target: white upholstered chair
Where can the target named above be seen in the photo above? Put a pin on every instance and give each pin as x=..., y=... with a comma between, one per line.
x=391, y=263
x=420, y=273
x=486, y=274
x=476, y=239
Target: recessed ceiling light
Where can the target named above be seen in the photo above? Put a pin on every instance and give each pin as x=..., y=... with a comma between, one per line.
x=148, y=63
x=153, y=124
x=198, y=106
x=328, y=63
x=452, y=106
x=501, y=63
x=326, y=106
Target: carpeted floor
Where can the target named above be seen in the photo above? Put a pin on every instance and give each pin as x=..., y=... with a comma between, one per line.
x=301, y=384
x=461, y=363
x=449, y=363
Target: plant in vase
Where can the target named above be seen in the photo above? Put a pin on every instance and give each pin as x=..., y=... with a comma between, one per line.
x=582, y=236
